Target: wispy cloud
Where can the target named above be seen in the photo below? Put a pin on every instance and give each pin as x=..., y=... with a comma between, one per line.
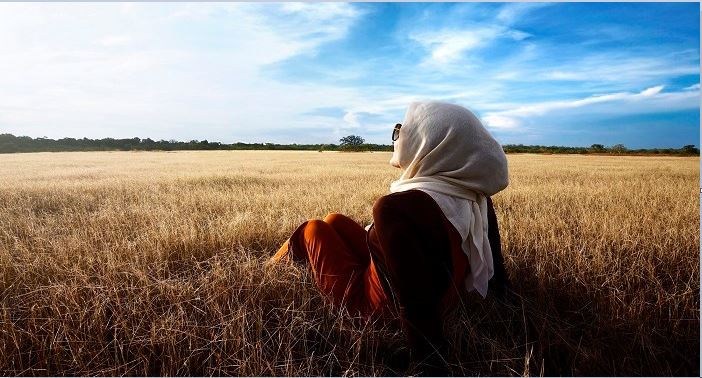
x=448, y=46
x=617, y=67
x=351, y=120
x=114, y=40
x=648, y=100
x=312, y=24
x=511, y=13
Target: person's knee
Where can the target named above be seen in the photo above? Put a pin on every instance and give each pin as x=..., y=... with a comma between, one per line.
x=333, y=218
x=315, y=225
x=340, y=222
x=315, y=228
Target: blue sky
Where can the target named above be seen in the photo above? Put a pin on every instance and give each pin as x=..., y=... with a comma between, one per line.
x=536, y=73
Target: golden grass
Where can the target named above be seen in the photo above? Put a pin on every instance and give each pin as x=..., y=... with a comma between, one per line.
x=151, y=263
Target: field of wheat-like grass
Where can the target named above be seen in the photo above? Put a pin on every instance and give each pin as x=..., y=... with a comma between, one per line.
x=152, y=263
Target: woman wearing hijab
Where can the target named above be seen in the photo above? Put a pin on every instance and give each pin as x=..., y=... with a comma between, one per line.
x=433, y=237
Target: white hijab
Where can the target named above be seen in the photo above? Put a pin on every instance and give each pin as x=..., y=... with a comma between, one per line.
x=446, y=152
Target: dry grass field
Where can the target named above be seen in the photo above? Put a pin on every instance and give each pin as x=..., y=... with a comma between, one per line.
x=151, y=263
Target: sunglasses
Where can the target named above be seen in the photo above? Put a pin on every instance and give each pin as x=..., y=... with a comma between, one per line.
x=396, y=132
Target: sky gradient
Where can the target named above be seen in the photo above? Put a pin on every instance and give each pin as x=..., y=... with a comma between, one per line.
x=569, y=74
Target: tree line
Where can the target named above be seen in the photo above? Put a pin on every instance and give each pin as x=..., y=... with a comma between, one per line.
x=10, y=144
x=617, y=149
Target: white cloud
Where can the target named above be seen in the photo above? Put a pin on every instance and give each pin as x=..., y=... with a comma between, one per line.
x=351, y=120
x=617, y=68
x=115, y=40
x=497, y=121
x=314, y=23
x=127, y=7
x=518, y=35
x=449, y=45
x=651, y=91
x=510, y=13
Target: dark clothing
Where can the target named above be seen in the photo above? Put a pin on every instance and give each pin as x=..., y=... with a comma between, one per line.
x=418, y=250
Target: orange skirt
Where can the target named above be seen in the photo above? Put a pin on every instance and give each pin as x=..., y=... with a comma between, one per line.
x=345, y=273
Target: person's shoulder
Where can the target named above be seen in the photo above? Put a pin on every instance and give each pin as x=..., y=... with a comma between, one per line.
x=409, y=201
x=402, y=198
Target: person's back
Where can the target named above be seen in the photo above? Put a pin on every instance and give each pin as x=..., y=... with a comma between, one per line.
x=418, y=253
x=411, y=235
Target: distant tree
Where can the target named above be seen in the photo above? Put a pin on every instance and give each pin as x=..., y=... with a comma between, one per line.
x=597, y=147
x=618, y=148
x=690, y=149
x=351, y=143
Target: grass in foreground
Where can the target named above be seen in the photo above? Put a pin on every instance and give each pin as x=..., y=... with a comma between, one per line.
x=152, y=264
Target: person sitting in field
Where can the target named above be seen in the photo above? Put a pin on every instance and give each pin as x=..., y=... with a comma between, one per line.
x=433, y=237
